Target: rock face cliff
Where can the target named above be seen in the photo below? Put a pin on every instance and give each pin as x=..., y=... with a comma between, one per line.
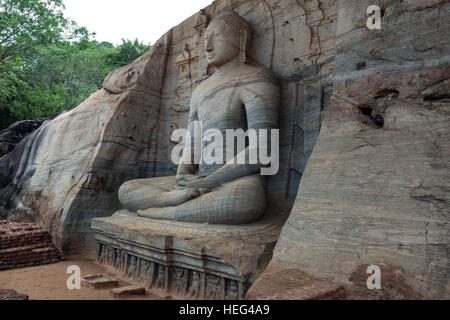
x=376, y=187
x=69, y=170
x=374, y=184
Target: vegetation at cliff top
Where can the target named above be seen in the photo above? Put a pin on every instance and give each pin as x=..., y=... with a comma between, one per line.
x=48, y=63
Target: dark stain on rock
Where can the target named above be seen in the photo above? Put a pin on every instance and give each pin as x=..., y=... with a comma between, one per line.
x=369, y=112
x=375, y=107
x=437, y=97
x=360, y=65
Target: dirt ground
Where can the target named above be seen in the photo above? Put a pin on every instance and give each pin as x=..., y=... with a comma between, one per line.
x=48, y=282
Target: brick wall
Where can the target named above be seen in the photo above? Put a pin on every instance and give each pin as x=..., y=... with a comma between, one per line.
x=25, y=244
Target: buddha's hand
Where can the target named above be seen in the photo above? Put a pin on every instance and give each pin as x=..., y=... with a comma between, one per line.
x=191, y=193
x=197, y=183
x=185, y=177
x=179, y=195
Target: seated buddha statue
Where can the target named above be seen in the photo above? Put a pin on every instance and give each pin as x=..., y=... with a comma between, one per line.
x=236, y=96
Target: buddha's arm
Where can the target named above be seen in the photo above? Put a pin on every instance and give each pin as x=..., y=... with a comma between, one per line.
x=187, y=164
x=261, y=101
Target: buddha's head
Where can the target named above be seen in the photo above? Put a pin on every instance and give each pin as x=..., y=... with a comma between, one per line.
x=227, y=37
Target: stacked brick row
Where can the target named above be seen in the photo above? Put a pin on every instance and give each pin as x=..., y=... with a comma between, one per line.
x=25, y=244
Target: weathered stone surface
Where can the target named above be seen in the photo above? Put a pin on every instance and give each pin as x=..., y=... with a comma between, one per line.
x=100, y=281
x=70, y=169
x=17, y=132
x=13, y=139
x=128, y=291
x=186, y=260
x=375, y=190
x=293, y=284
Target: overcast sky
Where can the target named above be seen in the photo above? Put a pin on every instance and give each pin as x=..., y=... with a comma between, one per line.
x=146, y=20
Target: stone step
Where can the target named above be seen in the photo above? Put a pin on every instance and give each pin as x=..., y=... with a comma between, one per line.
x=18, y=240
x=128, y=291
x=100, y=281
x=29, y=248
x=25, y=244
x=26, y=256
x=293, y=284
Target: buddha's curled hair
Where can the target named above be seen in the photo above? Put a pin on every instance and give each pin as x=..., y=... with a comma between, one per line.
x=236, y=25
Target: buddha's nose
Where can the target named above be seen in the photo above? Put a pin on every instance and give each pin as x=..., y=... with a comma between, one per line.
x=208, y=46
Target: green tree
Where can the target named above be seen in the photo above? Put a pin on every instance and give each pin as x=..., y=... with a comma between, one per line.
x=47, y=63
x=27, y=24
x=58, y=77
x=127, y=52
x=61, y=75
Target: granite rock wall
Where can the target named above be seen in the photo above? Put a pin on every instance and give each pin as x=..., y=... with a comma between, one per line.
x=376, y=187
x=11, y=136
x=70, y=169
x=374, y=183
x=296, y=41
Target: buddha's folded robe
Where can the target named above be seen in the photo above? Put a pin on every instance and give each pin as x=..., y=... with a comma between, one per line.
x=236, y=96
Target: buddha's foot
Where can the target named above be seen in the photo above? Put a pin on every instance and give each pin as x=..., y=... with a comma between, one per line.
x=158, y=213
x=178, y=196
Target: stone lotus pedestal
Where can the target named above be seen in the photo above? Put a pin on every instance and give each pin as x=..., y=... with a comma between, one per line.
x=196, y=261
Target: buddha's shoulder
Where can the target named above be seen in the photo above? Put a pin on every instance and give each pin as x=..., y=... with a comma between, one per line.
x=252, y=71
x=250, y=74
x=243, y=75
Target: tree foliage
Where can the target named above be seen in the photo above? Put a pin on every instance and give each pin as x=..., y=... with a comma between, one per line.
x=47, y=63
x=60, y=76
x=26, y=24
x=127, y=51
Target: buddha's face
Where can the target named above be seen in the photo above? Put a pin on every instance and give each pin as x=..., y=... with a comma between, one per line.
x=221, y=46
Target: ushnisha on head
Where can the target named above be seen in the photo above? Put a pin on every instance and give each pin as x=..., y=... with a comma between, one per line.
x=227, y=37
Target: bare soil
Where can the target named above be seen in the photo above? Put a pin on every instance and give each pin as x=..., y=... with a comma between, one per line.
x=48, y=282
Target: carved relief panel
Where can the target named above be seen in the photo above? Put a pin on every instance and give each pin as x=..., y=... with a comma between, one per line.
x=179, y=281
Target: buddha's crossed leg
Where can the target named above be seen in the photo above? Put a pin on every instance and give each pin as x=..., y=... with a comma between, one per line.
x=237, y=202
x=155, y=193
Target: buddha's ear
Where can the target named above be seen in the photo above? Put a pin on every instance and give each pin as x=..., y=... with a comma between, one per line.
x=244, y=47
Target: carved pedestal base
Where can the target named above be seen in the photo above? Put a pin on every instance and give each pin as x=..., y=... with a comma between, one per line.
x=187, y=260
